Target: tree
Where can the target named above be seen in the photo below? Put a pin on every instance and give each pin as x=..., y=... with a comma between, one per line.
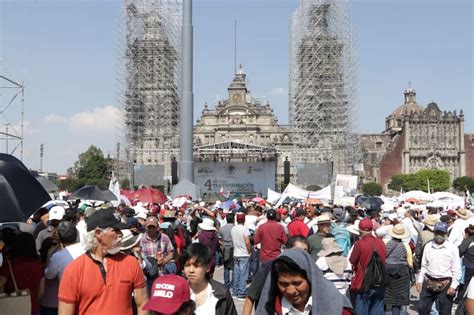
x=438, y=181
x=372, y=189
x=313, y=187
x=461, y=183
x=90, y=169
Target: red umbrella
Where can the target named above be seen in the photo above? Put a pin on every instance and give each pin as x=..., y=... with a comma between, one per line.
x=149, y=195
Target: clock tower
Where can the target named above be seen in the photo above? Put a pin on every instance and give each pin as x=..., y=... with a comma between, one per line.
x=238, y=88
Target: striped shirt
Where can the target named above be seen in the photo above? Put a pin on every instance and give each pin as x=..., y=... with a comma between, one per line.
x=341, y=281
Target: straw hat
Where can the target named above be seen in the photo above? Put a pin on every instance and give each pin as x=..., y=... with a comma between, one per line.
x=329, y=247
x=398, y=231
x=462, y=213
x=354, y=228
x=207, y=225
x=430, y=221
x=324, y=218
x=129, y=240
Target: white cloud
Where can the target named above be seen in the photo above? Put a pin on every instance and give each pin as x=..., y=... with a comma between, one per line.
x=53, y=119
x=99, y=119
x=278, y=91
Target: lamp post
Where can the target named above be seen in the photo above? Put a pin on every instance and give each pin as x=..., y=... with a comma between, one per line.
x=132, y=166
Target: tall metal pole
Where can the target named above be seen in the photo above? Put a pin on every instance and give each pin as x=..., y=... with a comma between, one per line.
x=41, y=157
x=186, y=107
x=6, y=137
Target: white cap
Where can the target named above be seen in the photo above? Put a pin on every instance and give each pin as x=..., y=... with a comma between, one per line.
x=56, y=213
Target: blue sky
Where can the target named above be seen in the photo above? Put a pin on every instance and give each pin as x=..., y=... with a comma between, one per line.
x=66, y=54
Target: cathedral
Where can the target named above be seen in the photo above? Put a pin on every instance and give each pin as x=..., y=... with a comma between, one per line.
x=415, y=138
x=242, y=129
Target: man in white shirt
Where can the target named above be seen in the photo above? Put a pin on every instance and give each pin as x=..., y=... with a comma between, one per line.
x=456, y=235
x=440, y=266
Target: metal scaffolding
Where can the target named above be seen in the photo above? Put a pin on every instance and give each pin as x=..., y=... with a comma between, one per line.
x=150, y=80
x=322, y=84
x=12, y=93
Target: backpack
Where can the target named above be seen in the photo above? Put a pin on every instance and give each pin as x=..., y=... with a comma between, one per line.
x=376, y=275
x=343, y=238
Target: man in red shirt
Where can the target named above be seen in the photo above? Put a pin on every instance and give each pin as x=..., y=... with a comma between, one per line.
x=103, y=279
x=368, y=301
x=271, y=235
x=297, y=226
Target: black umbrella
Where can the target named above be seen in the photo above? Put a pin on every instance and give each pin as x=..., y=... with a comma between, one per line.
x=20, y=193
x=372, y=203
x=93, y=192
x=360, y=199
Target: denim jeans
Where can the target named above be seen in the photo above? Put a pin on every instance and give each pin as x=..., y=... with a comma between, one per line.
x=170, y=268
x=241, y=272
x=370, y=302
x=254, y=262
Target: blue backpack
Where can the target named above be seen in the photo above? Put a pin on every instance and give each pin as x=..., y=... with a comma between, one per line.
x=343, y=238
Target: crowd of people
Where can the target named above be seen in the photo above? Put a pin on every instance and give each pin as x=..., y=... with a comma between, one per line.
x=84, y=258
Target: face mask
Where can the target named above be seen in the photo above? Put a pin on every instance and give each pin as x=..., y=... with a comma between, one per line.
x=439, y=239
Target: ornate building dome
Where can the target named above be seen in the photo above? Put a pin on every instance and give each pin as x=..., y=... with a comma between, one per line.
x=394, y=122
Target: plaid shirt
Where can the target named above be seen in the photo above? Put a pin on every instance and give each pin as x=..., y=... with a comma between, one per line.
x=151, y=247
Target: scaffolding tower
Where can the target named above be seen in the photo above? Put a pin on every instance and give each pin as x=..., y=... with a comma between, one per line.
x=12, y=105
x=150, y=80
x=322, y=85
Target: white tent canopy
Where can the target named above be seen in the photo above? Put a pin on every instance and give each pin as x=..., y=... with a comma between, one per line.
x=416, y=194
x=300, y=193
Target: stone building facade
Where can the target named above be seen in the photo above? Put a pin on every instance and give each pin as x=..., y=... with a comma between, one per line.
x=242, y=129
x=418, y=138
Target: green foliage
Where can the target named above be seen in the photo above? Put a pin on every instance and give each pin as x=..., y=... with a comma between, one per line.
x=313, y=187
x=125, y=184
x=90, y=169
x=372, y=189
x=438, y=181
x=461, y=183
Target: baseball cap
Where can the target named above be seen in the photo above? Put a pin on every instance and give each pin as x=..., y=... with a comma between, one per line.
x=271, y=214
x=104, y=218
x=282, y=211
x=56, y=213
x=240, y=217
x=151, y=221
x=441, y=227
x=366, y=225
x=168, y=294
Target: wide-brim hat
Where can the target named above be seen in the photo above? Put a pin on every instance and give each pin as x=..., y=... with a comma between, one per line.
x=129, y=240
x=329, y=247
x=430, y=221
x=323, y=218
x=398, y=231
x=462, y=213
x=207, y=225
x=354, y=228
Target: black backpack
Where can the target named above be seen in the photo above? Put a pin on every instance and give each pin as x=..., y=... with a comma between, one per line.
x=376, y=275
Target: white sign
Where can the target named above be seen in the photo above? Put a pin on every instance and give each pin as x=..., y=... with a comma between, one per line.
x=345, y=190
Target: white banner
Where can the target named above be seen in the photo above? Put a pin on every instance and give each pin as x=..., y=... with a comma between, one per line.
x=272, y=196
x=299, y=193
x=345, y=190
